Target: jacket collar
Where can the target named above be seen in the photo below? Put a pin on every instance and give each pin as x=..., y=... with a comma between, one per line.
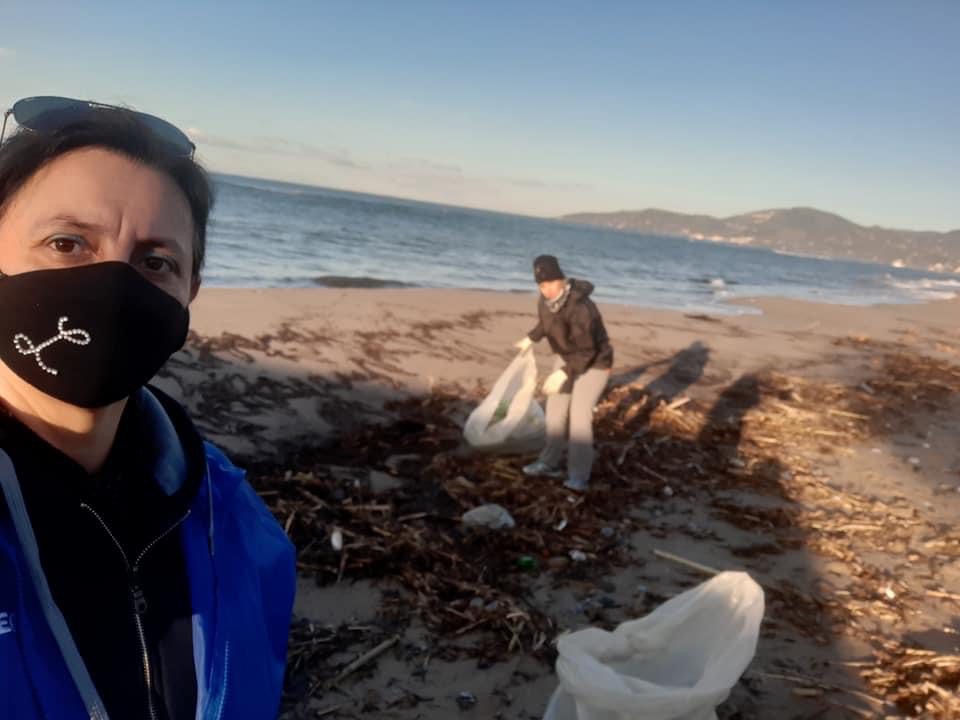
x=168, y=458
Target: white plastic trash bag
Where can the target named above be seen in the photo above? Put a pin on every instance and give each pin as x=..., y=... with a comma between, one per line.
x=509, y=412
x=677, y=663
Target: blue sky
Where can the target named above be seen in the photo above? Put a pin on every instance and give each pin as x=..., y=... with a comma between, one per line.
x=541, y=108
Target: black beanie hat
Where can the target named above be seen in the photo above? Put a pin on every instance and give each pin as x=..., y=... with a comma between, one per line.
x=547, y=267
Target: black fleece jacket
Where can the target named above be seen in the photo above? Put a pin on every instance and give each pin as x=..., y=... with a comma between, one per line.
x=575, y=332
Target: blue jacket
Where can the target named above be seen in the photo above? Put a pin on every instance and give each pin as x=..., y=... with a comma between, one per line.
x=242, y=582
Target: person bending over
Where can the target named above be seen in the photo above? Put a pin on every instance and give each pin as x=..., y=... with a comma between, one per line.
x=572, y=325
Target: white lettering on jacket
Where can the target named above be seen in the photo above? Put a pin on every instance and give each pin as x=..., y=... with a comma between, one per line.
x=6, y=623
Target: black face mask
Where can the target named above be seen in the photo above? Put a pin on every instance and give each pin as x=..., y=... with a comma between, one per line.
x=88, y=335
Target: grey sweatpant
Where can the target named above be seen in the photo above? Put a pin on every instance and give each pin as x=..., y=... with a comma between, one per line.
x=570, y=424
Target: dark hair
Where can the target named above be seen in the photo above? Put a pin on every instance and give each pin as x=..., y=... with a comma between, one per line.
x=118, y=129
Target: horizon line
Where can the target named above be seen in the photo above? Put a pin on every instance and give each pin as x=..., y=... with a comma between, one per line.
x=565, y=217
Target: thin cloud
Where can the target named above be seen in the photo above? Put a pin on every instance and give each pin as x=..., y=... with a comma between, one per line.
x=415, y=177
x=203, y=138
x=292, y=148
x=414, y=169
x=277, y=146
x=543, y=184
x=422, y=165
x=7, y=52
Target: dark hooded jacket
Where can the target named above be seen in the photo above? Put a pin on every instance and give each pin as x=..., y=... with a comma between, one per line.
x=575, y=332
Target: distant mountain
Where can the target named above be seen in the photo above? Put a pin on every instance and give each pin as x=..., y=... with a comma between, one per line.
x=800, y=231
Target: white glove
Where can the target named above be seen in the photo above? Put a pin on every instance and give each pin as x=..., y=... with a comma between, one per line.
x=554, y=381
x=524, y=344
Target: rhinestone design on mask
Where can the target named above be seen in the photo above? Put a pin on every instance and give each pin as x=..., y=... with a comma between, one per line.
x=25, y=346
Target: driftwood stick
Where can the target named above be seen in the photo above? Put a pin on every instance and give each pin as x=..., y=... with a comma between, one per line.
x=653, y=473
x=364, y=659
x=686, y=563
x=844, y=413
x=331, y=709
x=813, y=682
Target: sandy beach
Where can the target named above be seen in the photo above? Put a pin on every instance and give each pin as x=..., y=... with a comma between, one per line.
x=813, y=446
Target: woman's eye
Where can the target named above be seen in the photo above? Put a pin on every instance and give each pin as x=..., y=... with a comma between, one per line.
x=65, y=245
x=158, y=264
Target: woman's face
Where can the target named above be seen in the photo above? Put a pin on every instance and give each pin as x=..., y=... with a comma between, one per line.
x=94, y=205
x=551, y=289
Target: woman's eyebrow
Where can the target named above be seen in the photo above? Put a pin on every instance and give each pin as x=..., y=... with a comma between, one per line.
x=163, y=243
x=71, y=221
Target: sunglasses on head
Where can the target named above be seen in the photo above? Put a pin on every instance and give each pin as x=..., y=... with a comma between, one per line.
x=46, y=114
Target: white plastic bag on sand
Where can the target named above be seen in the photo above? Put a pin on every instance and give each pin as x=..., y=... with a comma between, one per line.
x=509, y=413
x=492, y=516
x=677, y=663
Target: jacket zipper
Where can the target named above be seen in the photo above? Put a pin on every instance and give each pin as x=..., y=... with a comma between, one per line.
x=136, y=592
